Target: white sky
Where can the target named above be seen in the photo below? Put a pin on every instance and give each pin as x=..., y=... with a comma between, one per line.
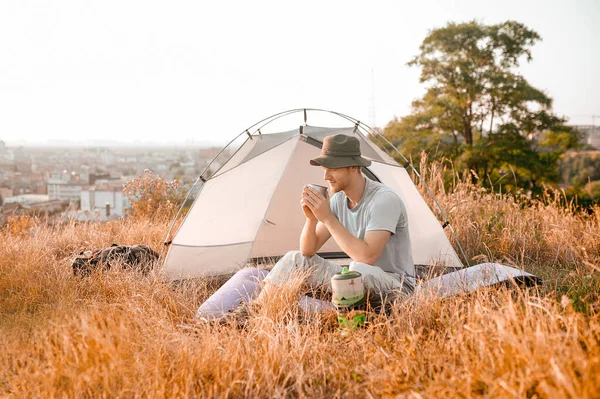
x=205, y=70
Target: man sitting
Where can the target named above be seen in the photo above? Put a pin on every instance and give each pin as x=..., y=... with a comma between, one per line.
x=366, y=219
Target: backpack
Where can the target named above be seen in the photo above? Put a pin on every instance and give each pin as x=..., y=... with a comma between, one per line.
x=138, y=257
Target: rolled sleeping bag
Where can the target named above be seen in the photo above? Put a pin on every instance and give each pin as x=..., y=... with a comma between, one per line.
x=475, y=277
x=243, y=286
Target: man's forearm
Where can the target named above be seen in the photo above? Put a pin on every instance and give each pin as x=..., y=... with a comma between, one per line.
x=308, y=238
x=357, y=249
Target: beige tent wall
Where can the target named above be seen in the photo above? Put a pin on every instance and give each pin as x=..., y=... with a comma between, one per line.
x=231, y=206
x=430, y=245
x=187, y=262
x=285, y=219
x=228, y=212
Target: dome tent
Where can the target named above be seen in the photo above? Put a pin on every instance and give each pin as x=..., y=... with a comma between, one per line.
x=248, y=209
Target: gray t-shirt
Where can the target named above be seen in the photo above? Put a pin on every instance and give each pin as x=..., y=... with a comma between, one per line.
x=380, y=208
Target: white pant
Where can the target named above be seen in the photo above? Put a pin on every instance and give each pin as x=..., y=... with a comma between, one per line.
x=320, y=271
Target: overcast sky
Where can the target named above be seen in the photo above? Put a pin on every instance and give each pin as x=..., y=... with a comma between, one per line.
x=205, y=70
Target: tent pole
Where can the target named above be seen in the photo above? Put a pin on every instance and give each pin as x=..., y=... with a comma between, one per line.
x=166, y=241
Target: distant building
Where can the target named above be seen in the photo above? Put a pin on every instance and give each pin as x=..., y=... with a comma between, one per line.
x=64, y=192
x=108, y=198
x=591, y=135
x=97, y=178
x=26, y=199
x=64, y=186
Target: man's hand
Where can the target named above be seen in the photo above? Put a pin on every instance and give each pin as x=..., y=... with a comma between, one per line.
x=316, y=203
x=314, y=234
x=307, y=212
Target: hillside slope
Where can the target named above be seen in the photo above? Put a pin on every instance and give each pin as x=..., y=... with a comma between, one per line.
x=120, y=334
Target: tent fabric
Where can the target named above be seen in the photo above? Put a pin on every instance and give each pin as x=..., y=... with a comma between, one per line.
x=258, y=144
x=266, y=142
x=238, y=157
x=255, y=146
x=195, y=261
x=250, y=208
x=231, y=207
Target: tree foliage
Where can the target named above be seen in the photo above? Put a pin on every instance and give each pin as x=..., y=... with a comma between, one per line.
x=579, y=169
x=479, y=112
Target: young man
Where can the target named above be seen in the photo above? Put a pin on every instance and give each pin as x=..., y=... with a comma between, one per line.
x=365, y=218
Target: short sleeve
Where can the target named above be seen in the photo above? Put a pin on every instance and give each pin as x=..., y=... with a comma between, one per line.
x=385, y=212
x=333, y=205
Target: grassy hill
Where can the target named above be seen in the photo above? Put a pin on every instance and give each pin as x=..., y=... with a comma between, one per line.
x=121, y=334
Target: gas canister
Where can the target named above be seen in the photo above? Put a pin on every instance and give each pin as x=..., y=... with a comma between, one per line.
x=349, y=298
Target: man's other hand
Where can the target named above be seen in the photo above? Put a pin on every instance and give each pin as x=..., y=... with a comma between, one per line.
x=318, y=205
x=307, y=212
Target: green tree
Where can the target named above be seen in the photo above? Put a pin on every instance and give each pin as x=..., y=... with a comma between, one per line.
x=479, y=111
x=578, y=169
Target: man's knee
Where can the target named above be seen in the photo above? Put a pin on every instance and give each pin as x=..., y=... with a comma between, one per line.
x=375, y=279
x=362, y=268
x=295, y=257
x=293, y=253
x=292, y=260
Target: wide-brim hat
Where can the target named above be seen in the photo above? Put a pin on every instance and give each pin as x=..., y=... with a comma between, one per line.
x=340, y=151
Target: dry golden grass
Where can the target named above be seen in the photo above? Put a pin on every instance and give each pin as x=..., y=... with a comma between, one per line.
x=119, y=334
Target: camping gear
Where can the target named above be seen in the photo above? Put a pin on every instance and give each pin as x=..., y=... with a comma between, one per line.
x=475, y=277
x=347, y=287
x=220, y=232
x=349, y=298
x=242, y=287
x=138, y=257
x=320, y=189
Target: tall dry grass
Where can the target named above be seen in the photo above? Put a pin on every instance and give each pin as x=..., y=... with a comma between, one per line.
x=120, y=334
x=547, y=236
